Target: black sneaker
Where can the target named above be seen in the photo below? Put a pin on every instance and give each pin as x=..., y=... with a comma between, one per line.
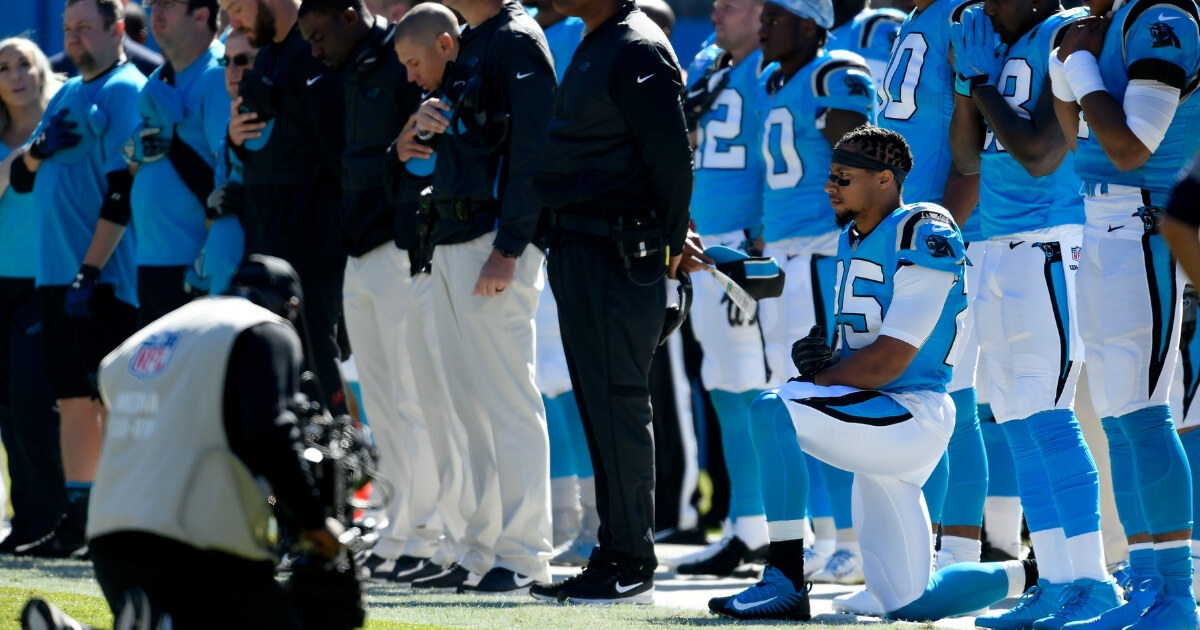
x=614, y=585
x=549, y=592
x=63, y=542
x=41, y=615
x=380, y=568
x=672, y=536
x=501, y=581
x=451, y=579
x=720, y=559
x=426, y=569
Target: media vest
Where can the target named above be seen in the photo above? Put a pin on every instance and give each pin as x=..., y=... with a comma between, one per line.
x=166, y=467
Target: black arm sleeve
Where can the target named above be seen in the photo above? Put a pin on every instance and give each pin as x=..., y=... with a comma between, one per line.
x=647, y=87
x=527, y=74
x=1185, y=199
x=116, y=201
x=20, y=178
x=263, y=376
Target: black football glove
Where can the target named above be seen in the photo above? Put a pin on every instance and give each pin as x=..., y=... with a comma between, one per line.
x=812, y=353
x=225, y=200
x=58, y=134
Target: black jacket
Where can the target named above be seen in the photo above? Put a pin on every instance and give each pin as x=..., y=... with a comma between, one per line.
x=141, y=57
x=379, y=100
x=508, y=52
x=292, y=184
x=617, y=143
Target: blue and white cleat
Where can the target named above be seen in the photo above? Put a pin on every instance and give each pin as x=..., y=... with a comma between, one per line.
x=1041, y=600
x=1082, y=599
x=775, y=597
x=1139, y=598
x=1172, y=608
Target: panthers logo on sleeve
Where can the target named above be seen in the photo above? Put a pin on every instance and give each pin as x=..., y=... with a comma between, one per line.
x=1163, y=35
x=938, y=246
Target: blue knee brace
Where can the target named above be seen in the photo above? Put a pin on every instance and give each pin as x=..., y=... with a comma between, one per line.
x=1164, y=479
x=1073, y=477
x=733, y=414
x=818, y=497
x=1032, y=479
x=968, y=482
x=1002, y=474
x=935, y=489
x=780, y=461
x=839, y=483
x=562, y=459
x=1124, y=479
x=579, y=445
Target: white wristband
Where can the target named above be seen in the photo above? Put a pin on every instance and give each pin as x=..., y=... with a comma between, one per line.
x=1083, y=74
x=1058, y=79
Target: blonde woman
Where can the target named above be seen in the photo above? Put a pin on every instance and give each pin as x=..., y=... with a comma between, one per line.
x=28, y=423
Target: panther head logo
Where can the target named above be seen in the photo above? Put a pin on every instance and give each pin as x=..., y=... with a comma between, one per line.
x=938, y=246
x=1161, y=34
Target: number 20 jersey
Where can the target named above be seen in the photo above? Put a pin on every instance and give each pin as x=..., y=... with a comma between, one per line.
x=917, y=95
x=796, y=154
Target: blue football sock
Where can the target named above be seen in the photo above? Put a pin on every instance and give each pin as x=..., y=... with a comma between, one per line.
x=579, y=445
x=1073, y=478
x=818, y=497
x=1191, y=446
x=839, y=483
x=1124, y=479
x=1174, y=563
x=1141, y=561
x=562, y=460
x=733, y=415
x=1032, y=479
x=1002, y=473
x=1164, y=479
x=78, y=491
x=780, y=460
x=935, y=489
x=967, y=487
x=959, y=589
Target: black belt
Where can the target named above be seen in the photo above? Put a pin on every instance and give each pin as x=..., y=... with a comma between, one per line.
x=466, y=209
x=583, y=224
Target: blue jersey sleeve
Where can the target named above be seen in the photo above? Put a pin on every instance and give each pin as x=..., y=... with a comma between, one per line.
x=845, y=83
x=879, y=32
x=121, y=112
x=215, y=111
x=1163, y=44
x=928, y=237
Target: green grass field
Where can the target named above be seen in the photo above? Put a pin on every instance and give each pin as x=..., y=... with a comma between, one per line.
x=70, y=586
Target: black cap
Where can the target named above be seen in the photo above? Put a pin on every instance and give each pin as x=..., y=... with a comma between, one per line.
x=269, y=282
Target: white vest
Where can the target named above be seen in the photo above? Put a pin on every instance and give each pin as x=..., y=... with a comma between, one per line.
x=165, y=465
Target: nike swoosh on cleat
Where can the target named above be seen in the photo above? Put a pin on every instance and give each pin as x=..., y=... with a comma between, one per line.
x=625, y=589
x=739, y=606
x=522, y=581
x=1114, y=228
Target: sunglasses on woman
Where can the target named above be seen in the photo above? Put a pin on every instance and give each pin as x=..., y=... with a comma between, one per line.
x=240, y=60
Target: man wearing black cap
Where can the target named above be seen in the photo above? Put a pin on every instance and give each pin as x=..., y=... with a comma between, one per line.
x=176, y=507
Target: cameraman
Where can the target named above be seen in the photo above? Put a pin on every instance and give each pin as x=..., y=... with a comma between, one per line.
x=198, y=411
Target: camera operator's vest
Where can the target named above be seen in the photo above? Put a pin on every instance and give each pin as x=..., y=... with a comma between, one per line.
x=166, y=467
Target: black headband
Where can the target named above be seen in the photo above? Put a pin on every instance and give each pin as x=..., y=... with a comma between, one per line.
x=858, y=160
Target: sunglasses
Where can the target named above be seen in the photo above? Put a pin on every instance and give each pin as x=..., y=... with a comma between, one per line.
x=240, y=60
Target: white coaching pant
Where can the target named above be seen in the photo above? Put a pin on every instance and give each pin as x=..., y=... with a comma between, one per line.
x=1027, y=318
x=791, y=317
x=488, y=350
x=377, y=304
x=891, y=442
x=1129, y=306
x=447, y=435
x=735, y=358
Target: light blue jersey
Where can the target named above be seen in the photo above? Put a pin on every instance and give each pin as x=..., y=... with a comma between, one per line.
x=917, y=96
x=871, y=34
x=921, y=234
x=226, y=240
x=795, y=153
x=728, y=181
x=18, y=230
x=1155, y=40
x=564, y=38
x=1010, y=199
x=167, y=216
x=71, y=185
